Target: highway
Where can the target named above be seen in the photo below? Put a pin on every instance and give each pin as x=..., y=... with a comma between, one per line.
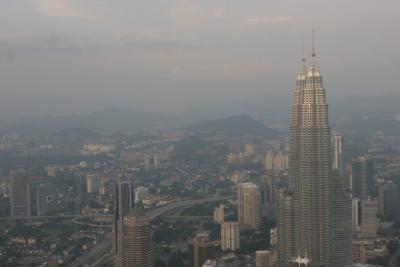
x=103, y=247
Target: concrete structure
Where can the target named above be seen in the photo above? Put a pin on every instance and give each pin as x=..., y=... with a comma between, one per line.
x=219, y=214
x=362, y=178
x=356, y=215
x=265, y=258
x=137, y=242
x=230, y=236
x=316, y=196
x=388, y=200
x=341, y=224
x=269, y=160
x=273, y=236
x=20, y=181
x=200, y=250
x=337, y=153
x=286, y=234
x=369, y=219
x=124, y=203
x=268, y=189
x=249, y=205
x=141, y=193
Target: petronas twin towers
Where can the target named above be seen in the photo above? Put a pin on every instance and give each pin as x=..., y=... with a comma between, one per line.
x=314, y=213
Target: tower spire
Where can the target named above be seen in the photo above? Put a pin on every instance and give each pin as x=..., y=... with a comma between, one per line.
x=313, y=44
x=303, y=59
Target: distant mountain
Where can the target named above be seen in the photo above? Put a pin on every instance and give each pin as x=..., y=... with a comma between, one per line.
x=237, y=125
x=74, y=135
x=106, y=121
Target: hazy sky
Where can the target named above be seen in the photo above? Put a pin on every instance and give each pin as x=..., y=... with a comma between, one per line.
x=69, y=56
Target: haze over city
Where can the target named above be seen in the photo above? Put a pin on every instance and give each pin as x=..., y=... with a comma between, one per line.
x=198, y=59
x=211, y=133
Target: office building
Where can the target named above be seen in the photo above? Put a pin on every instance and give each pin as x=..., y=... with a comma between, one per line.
x=47, y=199
x=285, y=233
x=337, y=153
x=230, y=236
x=369, y=219
x=124, y=203
x=388, y=200
x=249, y=205
x=137, y=242
x=356, y=215
x=315, y=197
x=20, y=201
x=362, y=178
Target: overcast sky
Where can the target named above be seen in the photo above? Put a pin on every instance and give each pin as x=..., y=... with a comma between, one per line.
x=181, y=56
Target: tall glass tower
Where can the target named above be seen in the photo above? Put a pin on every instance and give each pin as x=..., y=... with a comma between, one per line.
x=311, y=178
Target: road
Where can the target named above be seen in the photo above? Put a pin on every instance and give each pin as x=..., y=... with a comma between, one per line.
x=104, y=247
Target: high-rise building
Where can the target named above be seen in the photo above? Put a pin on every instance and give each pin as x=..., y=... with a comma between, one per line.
x=269, y=160
x=280, y=162
x=219, y=214
x=369, y=219
x=137, y=242
x=341, y=224
x=356, y=215
x=20, y=192
x=230, y=236
x=47, y=199
x=315, y=195
x=388, y=200
x=124, y=203
x=249, y=205
x=348, y=177
x=286, y=234
x=200, y=250
x=89, y=183
x=268, y=191
x=337, y=153
x=362, y=178
x=265, y=258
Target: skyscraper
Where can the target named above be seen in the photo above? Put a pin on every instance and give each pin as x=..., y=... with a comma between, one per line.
x=286, y=227
x=316, y=194
x=124, y=203
x=249, y=205
x=388, y=200
x=230, y=236
x=20, y=192
x=337, y=153
x=362, y=173
x=137, y=242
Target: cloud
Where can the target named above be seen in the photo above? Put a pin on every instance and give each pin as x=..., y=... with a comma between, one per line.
x=267, y=20
x=60, y=9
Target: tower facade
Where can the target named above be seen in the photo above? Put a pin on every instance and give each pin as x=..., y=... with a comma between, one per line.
x=137, y=242
x=230, y=236
x=315, y=194
x=20, y=192
x=362, y=173
x=124, y=203
x=249, y=205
